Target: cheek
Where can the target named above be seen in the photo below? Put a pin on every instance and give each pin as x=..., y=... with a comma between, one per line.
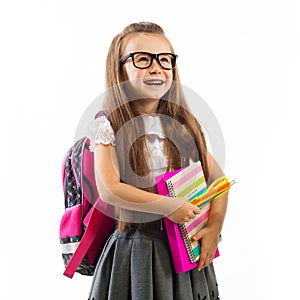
x=132, y=73
x=169, y=75
x=139, y=73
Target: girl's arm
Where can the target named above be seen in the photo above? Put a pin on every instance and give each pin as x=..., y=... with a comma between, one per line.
x=209, y=235
x=120, y=194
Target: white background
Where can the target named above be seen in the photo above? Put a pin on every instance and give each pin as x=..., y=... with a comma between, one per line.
x=241, y=57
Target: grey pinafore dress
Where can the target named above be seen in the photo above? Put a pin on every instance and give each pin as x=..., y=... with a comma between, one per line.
x=136, y=264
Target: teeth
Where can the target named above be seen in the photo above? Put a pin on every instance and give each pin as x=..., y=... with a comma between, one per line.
x=154, y=82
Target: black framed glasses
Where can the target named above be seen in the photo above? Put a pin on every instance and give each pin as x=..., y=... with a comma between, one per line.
x=143, y=60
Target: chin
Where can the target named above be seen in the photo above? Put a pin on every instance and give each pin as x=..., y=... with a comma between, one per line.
x=154, y=92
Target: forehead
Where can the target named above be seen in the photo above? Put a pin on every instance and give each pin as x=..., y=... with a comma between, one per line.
x=145, y=42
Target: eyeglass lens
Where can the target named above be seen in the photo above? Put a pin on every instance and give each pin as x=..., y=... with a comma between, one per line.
x=144, y=60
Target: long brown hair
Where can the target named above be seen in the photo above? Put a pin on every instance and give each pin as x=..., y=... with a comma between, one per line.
x=173, y=105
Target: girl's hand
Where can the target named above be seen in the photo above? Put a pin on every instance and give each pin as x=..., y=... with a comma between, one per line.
x=209, y=242
x=184, y=213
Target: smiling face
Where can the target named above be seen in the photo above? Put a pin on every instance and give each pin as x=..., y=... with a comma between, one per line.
x=153, y=82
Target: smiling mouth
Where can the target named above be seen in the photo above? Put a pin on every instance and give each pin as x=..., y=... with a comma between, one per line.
x=154, y=82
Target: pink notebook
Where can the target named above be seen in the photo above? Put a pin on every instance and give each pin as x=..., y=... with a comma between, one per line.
x=181, y=252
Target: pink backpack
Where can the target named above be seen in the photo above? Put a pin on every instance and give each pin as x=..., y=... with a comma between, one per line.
x=84, y=229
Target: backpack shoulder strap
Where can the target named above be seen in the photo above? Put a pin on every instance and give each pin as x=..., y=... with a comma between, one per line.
x=85, y=243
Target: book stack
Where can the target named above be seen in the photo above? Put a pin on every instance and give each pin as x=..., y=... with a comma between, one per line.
x=189, y=182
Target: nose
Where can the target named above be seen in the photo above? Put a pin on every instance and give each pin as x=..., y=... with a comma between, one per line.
x=155, y=67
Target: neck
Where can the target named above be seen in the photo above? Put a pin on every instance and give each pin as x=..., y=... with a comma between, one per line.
x=146, y=106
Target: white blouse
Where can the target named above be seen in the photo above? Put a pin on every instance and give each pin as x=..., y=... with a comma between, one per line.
x=154, y=139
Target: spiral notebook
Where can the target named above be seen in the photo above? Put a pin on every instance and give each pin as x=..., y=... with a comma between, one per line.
x=187, y=182
x=190, y=183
